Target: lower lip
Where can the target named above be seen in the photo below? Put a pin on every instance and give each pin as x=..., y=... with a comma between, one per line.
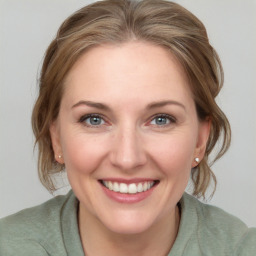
x=128, y=198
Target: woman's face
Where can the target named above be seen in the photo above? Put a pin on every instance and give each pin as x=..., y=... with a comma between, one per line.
x=128, y=134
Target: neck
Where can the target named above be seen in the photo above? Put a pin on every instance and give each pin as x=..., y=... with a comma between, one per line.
x=157, y=240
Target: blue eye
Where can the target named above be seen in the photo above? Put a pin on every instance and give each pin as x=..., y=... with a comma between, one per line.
x=162, y=120
x=92, y=120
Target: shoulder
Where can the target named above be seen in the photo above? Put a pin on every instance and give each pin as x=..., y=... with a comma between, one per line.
x=32, y=219
x=219, y=229
x=214, y=219
x=28, y=229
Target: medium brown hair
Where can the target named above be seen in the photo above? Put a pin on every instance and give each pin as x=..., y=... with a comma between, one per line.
x=159, y=22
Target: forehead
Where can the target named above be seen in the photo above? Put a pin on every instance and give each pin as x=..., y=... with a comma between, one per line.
x=133, y=69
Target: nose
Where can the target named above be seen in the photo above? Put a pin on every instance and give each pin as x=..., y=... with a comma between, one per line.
x=127, y=150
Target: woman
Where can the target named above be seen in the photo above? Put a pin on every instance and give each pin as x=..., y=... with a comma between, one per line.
x=127, y=107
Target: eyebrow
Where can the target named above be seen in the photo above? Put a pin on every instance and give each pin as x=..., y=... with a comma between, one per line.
x=164, y=103
x=152, y=105
x=92, y=104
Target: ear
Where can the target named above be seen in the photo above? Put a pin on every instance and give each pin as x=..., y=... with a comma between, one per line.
x=202, y=139
x=55, y=138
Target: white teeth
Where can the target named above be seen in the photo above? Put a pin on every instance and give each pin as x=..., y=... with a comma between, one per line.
x=123, y=188
x=110, y=185
x=132, y=188
x=116, y=187
x=140, y=187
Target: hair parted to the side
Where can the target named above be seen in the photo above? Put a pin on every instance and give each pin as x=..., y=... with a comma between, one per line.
x=162, y=23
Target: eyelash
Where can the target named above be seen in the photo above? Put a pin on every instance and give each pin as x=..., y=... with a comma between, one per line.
x=85, y=117
x=171, y=119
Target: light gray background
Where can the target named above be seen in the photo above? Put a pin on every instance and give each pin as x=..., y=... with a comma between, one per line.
x=26, y=29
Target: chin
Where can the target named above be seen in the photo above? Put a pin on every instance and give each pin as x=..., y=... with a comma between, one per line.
x=129, y=223
x=128, y=229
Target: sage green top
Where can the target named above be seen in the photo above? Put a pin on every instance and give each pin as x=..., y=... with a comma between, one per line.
x=51, y=229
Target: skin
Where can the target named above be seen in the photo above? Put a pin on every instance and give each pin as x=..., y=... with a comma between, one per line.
x=128, y=143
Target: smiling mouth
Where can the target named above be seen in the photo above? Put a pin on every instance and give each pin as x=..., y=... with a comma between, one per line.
x=132, y=188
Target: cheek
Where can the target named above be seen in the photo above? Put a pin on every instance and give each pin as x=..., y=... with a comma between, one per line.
x=82, y=154
x=174, y=154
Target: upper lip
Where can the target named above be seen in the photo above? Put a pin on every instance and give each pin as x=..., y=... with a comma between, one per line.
x=128, y=181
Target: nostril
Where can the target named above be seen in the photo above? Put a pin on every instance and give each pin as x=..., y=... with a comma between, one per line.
x=128, y=160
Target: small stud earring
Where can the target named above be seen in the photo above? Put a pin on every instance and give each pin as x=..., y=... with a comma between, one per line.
x=59, y=156
x=197, y=159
